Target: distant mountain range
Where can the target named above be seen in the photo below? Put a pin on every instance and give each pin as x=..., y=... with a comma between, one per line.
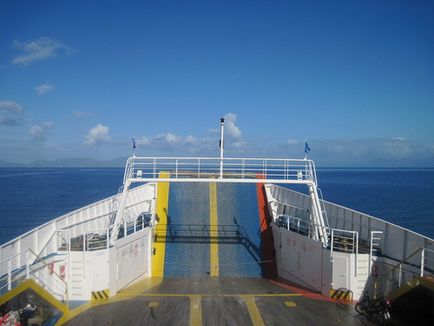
x=69, y=163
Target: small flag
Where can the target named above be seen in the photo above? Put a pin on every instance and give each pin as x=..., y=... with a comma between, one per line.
x=134, y=143
x=306, y=147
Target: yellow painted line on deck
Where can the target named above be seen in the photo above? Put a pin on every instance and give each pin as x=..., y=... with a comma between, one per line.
x=159, y=248
x=148, y=283
x=216, y=295
x=290, y=304
x=195, y=310
x=213, y=221
x=254, y=313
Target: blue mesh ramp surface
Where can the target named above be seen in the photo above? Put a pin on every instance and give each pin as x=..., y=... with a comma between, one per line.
x=188, y=231
x=186, y=255
x=238, y=209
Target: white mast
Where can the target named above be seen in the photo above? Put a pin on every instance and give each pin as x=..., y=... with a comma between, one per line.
x=222, y=125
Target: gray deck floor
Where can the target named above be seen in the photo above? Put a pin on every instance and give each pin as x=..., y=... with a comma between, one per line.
x=221, y=301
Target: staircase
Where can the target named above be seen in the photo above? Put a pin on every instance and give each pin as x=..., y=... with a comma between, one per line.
x=362, y=275
x=76, y=277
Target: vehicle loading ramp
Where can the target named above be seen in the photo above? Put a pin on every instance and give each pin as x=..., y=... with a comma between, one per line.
x=212, y=230
x=413, y=302
x=48, y=310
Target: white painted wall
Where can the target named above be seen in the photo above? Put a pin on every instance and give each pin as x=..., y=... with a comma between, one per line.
x=397, y=242
x=131, y=259
x=88, y=271
x=302, y=260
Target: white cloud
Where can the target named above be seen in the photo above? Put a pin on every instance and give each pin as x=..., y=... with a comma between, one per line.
x=40, y=49
x=39, y=131
x=10, y=113
x=399, y=138
x=367, y=152
x=10, y=106
x=166, y=139
x=143, y=141
x=97, y=135
x=291, y=141
x=231, y=129
x=205, y=145
x=44, y=89
x=171, y=142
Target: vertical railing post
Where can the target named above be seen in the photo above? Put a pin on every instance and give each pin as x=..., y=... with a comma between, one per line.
x=356, y=234
x=399, y=275
x=9, y=275
x=27, y=264
x=56, y=241
x=331, y=244
x=371, y=243
x=154, y=168
x=176, y=169
x=125, y=229
x=107, y=237
x=243, y=162
x=134, y=223
x=265, y=169
x=286, y=168
x=222, y=142
x=198, y=168
x=422, y=261
x=19, y=254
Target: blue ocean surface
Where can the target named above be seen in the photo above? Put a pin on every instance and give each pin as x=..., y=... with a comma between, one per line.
x=32, y=196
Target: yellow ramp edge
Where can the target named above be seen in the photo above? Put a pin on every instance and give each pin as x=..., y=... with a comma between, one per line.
x=213, y=221
x=48, y=297
x=159, y=249
x=408, y=286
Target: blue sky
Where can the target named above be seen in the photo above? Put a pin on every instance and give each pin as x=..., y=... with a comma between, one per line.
x=354, y=78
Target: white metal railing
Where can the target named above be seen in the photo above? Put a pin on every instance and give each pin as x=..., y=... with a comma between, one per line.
x=374, y=246
x=324, y=211
x=340, y=240
x=344, y=241
x=40, y=238
x=404, y=271
x=27, y=265
x=234, y=169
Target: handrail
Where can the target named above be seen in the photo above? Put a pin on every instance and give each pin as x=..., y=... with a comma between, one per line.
x=306, y=222
x=354, y=243
x=399, y=266
x=31, y=269
x=372, y=243
x=326, y=218
x=243, y=169
x=46, y=245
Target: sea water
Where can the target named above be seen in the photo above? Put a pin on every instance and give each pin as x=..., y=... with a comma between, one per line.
x=32, y=196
